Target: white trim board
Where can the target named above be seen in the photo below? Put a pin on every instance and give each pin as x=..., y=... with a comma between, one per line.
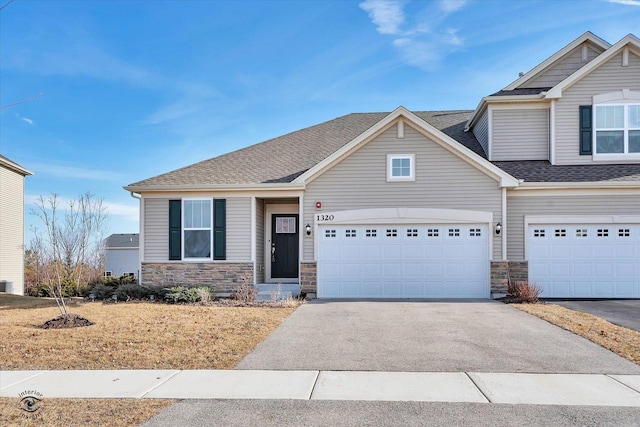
x=269, y=210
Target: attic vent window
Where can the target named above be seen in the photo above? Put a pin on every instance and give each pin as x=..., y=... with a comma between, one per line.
x=401, y=167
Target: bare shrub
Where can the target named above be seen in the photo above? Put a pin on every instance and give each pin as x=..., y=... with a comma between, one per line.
x=525, y=291
x=204, y=294
x=245, y=292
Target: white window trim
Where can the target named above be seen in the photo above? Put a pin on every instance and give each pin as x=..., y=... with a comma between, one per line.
x=184, y=229
x=624, y=98
x=412, y=167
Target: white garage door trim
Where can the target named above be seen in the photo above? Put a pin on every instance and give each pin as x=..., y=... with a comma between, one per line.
x=584, y=258
x=403, y=260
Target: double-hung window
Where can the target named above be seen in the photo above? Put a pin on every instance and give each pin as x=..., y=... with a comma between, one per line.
x=196, y=228
x=617, y=129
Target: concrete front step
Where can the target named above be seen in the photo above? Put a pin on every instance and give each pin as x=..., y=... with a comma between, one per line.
x=290, y=289
x=273, y=296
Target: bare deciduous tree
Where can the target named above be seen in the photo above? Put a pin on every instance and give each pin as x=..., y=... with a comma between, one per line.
x=70, y=249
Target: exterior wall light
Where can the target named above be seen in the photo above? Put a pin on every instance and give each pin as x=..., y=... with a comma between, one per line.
x=308, y=229
x=498, y=228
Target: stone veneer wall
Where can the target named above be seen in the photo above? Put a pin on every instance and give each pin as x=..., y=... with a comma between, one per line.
x=308, y=278
x=224, y=276
x=501, y=271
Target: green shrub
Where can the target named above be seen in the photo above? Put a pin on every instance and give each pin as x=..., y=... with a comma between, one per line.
x=188, y=294
x=101, y=291
x=132, y=291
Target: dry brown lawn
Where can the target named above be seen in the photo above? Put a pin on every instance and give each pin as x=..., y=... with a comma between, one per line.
x=622, y=341
x=125, y=336
x=82, y=412
x=135, y=336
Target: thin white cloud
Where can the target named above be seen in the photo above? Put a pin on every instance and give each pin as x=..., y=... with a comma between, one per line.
x=386, y=14
x=626, y=2
x=449, y=6
x=25, y=119
x=421, y=44
x=73, y=172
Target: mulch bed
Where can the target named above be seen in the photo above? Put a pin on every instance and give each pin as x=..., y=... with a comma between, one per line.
x=66, y=321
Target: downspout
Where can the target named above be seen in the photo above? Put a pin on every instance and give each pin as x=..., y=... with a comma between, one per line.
x=504, y=223
x=140, y=235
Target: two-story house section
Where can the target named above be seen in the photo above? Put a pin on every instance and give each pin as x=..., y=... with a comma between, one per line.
x=569, y=129
x=541, y=182
x=12, y=225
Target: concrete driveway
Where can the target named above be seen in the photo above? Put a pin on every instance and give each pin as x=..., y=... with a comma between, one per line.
x=620, y=312
x=427, y=336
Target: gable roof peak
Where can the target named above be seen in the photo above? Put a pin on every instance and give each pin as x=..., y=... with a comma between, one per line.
x=587, y=36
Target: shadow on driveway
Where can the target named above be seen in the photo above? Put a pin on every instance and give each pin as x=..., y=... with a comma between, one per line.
x=620, y=312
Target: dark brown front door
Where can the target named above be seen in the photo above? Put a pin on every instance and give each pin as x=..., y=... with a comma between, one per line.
x=284, y=246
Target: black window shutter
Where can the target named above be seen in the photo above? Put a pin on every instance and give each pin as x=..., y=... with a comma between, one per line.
x=586, y=130
x=219, y=229
x=175, y=229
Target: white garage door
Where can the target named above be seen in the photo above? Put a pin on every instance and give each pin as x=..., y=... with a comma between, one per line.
x=403, y=261
x=585, y=261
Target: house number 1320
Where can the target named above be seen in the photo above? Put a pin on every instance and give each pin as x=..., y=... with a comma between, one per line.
x=324, y=217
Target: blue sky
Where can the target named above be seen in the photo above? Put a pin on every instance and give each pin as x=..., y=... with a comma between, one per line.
x=132, y=89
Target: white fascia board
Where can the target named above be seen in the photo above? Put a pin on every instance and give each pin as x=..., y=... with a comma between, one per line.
x=477, y=113
x=214, y=187
x=629, y=41
x=524, y=186
x=588, y=36
x=351, y=146
x=517, y=101
x=463, y=152
x=14, y=167
x=426, y=129
x=228, y=194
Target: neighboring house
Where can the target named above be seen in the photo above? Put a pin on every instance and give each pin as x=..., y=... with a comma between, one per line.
x=541, y=183
x=12, y=226
x=122, y=255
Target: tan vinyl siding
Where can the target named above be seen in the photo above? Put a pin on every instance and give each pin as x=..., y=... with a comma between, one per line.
x=481, y=131
x=12, y=229
x=563, y=68
x=260, y=241
x=156, y=230
x=443, y=181
x=520, y=134
x=574, y=205
x=238, y=229
x=610, y=76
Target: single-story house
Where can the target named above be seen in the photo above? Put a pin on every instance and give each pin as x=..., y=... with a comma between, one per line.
x=540, y=183
x=122, y=255
x=12, y=226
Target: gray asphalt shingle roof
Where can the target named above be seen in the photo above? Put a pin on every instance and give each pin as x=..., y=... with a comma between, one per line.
x=131, y=240
x=543, y=171
x=283, y=159
x=521, y=91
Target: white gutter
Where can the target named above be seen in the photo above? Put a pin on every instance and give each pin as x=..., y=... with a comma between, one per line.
x=572, y=185
x=215, y=187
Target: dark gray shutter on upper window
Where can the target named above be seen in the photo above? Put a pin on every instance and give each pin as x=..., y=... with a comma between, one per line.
x=175, y=229
x=586, y=130
x=219, y=229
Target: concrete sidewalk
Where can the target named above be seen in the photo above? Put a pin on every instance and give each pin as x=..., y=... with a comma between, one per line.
x=471, y=387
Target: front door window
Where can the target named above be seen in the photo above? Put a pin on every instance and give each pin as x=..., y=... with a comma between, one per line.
x=284, y=246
